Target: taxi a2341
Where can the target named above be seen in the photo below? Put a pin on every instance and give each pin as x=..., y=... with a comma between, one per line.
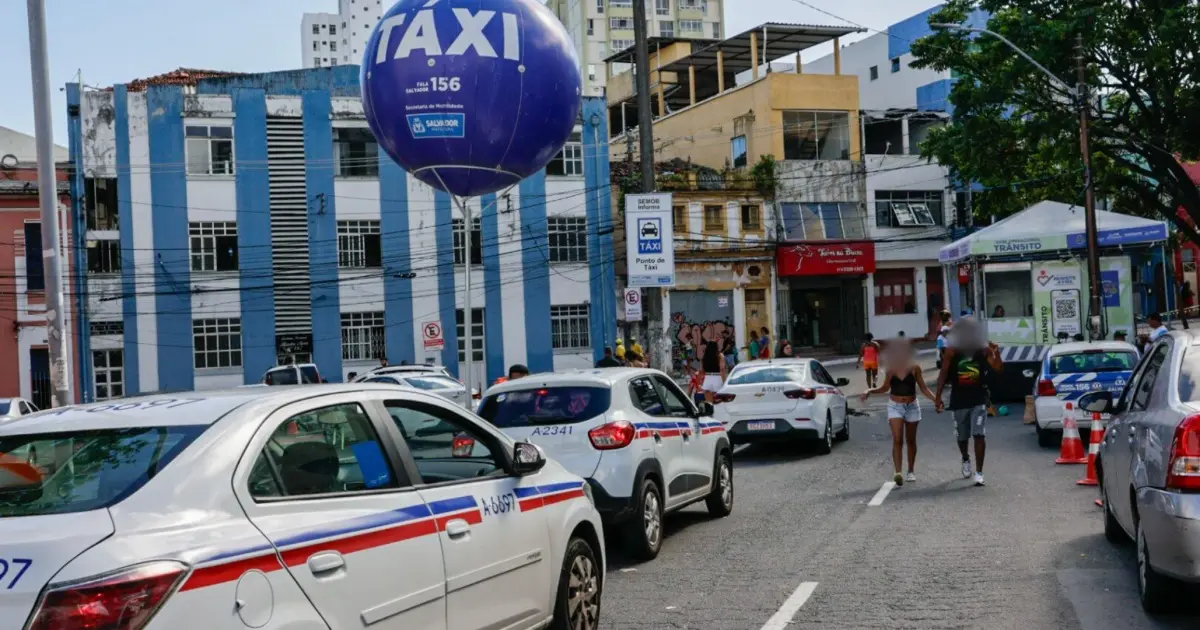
x=310, y=507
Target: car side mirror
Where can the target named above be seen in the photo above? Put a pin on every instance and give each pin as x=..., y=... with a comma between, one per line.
x=842, y=382
x=706, y=409
x=527, y=459
x=1096, y=402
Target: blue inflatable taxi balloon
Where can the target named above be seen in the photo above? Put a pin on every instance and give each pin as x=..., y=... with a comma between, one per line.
x=471, y=96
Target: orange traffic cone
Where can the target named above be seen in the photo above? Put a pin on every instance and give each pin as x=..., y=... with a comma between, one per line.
x=1072, y=445
x=1093, y=450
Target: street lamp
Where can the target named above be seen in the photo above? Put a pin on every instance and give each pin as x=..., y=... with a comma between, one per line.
x=1079, y=94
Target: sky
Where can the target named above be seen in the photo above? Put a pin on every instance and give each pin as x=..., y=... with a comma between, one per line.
x=117, y=41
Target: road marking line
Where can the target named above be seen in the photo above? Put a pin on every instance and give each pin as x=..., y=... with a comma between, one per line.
x=882, y=494
x=781, y=619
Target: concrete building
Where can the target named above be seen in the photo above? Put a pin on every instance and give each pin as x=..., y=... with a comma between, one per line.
x=338, y=39
x=24, y=341
x=601, y=28
x=258, y=221
x=809, y=124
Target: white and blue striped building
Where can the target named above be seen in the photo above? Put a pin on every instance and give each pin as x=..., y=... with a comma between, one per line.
x=229, y=222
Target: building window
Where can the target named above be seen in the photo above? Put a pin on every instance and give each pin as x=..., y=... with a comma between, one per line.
x=621, y=4
x=359, y=244
x=214, y=245
x=101, y=329
x=679, y=220
x=570, y=326
x=316, y=45
x=569, y=160
x=460, y=242
x=874, y=72
x=816, y=135
x=316, y=30
x=662, y=7
x=909, y=208
x=209, y=150
x=591, y=71
x=567, y=237
x=894, y=293
x=333, y=29
x=217, y=342
x=666, y=29
x=600, y=7
x=357, y=152
x=620, y=23
x=738, y=150
x=108, y=368
x=591, y=26
x=716, y=30
x=714, y=219
x=619, y=45
x=333, y=46
x=820, y=221
x=362, y=336
x=35, y=277
x=895, y=65
x=751, y=218
x=101, y=203
x=477, y=331
x=691, y=26
x=104, y=256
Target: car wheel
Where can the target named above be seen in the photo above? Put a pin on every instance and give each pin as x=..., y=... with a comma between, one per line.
x=844, y=434
x=825, y=446
x=720, y=500
x=1112, y=529
x=1047, y=438
x=1156, y=591
x=577, y=605
x=645, y=529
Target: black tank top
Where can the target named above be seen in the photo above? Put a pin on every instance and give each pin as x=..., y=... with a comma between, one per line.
x=906, y=386
x=711, y=362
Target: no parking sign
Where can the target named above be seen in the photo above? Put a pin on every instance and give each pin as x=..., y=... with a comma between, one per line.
x=633, y=305
x=432, y=332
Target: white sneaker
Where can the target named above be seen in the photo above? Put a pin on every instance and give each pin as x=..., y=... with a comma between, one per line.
x=979, y=479
x=966, y=470
x=911, y=478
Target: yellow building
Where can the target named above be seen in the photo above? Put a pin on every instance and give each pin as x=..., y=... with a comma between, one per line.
x=722, y=105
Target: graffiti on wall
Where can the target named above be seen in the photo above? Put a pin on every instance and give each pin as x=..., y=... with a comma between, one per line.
x=698, y=317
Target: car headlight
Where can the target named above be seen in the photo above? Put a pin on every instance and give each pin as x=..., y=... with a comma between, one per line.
x=587, y=492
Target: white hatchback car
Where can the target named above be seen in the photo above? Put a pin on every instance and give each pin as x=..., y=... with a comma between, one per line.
x=12, y=408
x=783, y=400
x=334, y=506
x=643, y=447
x=433, y=382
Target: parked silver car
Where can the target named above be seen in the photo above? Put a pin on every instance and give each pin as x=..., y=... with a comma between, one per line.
x=1149, y=466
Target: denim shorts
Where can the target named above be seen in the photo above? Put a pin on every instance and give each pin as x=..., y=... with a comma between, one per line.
x=910, y=412
x=970, y=422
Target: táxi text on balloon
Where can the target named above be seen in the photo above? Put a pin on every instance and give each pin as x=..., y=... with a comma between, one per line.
x=422, y=34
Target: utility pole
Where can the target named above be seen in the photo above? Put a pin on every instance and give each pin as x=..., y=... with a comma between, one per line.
x=39, y=67
x=1095, y=284
x=658, y=355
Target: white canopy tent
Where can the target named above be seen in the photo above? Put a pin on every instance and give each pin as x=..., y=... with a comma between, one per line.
x=1049, y=226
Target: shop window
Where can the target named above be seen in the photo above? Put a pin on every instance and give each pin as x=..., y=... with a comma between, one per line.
x=895, y=292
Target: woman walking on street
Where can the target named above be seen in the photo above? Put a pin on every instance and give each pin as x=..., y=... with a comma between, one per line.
x=902, y=380
x=868, y=358
x=713, y=364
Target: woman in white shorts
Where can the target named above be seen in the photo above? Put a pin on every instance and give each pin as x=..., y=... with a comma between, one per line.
x=901, y=381
x=713, y=365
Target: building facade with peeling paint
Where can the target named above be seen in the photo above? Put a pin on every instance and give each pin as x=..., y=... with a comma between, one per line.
x=230, y=222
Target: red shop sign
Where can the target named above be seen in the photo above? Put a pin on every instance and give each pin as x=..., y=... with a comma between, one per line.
x=823, y=259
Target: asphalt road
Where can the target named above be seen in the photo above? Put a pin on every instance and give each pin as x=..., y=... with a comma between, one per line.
x=803, y=549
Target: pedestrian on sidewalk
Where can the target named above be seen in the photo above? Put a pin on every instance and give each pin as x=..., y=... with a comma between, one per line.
x=752, y=347
x=609, y=360
x=729, y=349
x=901, y=381
x=713, y=365
x=868, y=358
x=764, y=344
x=969, y=362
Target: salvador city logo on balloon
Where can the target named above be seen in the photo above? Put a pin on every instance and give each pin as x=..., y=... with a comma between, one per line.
x=471, y=96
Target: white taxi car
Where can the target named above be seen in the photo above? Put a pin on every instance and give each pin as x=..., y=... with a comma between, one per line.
x=1071, y=370
x=643, y=447
x=783, y=400
x=313, y=507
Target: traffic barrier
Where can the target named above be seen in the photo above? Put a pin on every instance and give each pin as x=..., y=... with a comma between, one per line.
x=1071, y=451
x=1096, y=437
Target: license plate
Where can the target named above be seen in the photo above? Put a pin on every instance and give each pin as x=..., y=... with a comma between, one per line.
x=767, y=425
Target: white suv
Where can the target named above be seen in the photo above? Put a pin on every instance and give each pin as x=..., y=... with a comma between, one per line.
x=643, y=447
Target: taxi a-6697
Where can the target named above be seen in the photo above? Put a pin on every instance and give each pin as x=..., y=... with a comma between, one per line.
x=335, y=506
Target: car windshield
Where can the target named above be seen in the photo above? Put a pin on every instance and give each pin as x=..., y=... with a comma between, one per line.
x=5, y=406
x=309, y=373
x=55, y=473
x=766, y=374
x=285, y=376
x=430, y=383
x=1093, y=361
x=549, y=405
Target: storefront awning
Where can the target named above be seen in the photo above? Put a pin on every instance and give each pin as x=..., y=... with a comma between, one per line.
x=1051, y=226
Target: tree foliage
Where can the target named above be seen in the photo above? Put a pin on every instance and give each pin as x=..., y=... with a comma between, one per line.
x=1012, y=123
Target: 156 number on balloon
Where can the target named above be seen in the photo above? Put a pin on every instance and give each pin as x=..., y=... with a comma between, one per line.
x=446, y=84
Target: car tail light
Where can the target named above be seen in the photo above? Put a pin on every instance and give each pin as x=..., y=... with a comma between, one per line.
x=1046, y=388
x=1183, y=470
x=724, y=398
x=803, y=392
x=125, y=600
x=613, y=435
x=462, y=446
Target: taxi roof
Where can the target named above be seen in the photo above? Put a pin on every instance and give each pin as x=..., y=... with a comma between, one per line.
x=170, y=409
x=1075, y=347
x=591, y=377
